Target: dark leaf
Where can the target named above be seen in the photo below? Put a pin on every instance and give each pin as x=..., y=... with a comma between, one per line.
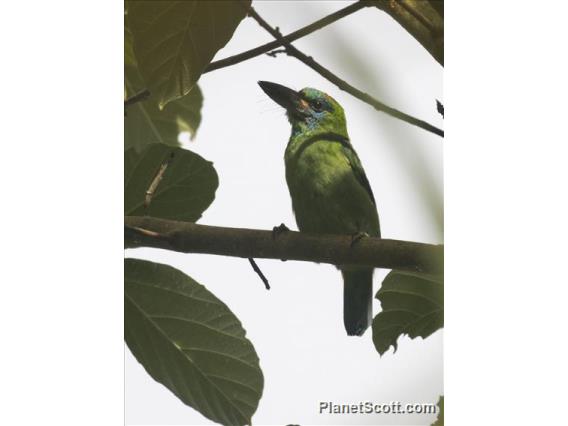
x=438, y=5
x=189, y=341
x=412, y=304
x=145, y=123
x=129, y=58
x=175, y=40
x=182, y=183
x=440, y=420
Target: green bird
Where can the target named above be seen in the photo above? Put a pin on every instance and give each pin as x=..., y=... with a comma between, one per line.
x=329, y=190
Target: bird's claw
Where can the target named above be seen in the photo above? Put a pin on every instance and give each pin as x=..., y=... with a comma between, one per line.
x=357, y=236
x=277, y=230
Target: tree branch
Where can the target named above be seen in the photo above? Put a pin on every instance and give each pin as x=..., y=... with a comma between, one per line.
x=422, y=20
x=308, y=29
x=189, y=237
x=342, y=84
x=138, y=97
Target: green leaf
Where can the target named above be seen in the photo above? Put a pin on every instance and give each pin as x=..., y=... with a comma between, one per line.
x=174, y=41
x=412, y=304
x=189, y=341
x=145, y=123
x=440, y=420
x=186, y=188
x=129, y=58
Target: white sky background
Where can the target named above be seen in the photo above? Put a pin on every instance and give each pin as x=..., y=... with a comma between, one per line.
x=297, y=327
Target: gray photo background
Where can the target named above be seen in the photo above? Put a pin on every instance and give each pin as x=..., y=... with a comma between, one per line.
x=296, y=327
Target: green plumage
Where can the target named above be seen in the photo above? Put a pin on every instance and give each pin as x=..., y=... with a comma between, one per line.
x=329, y=190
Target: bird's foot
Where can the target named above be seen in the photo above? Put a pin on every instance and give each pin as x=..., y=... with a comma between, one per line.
x=357, y=236
x=280, y=229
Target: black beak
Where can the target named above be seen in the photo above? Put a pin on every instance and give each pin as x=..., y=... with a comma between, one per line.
x=282, y=95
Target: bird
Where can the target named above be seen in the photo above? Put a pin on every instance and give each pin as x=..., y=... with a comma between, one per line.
x=329, y=189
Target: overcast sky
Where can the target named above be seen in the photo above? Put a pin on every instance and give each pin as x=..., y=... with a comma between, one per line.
x=297, y=327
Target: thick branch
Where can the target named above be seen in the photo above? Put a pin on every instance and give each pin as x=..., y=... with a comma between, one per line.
x=188, y=237
x=342, y=84
x=265, y=48
x=422, y=20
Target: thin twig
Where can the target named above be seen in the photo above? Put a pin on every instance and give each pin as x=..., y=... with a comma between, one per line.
x=259, y=272
x=156, y=181
x=138, y=97
x=342, y=84
x=265, y=48
x=257, y=51
x=276, y=52
x=440, y=107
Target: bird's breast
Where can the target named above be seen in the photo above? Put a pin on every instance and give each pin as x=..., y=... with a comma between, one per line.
x=326, y=196
x=315, y=169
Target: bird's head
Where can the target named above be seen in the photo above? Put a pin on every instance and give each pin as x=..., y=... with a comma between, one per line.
x=309, y=109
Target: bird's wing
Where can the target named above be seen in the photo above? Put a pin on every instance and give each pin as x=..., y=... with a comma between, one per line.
x=358, y=171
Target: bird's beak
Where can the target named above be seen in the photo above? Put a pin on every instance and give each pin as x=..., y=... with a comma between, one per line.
x=283, y=96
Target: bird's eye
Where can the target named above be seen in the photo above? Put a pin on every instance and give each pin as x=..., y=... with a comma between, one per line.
x=317, y=106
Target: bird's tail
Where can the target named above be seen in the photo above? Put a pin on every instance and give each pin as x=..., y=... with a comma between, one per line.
x=357, y=300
